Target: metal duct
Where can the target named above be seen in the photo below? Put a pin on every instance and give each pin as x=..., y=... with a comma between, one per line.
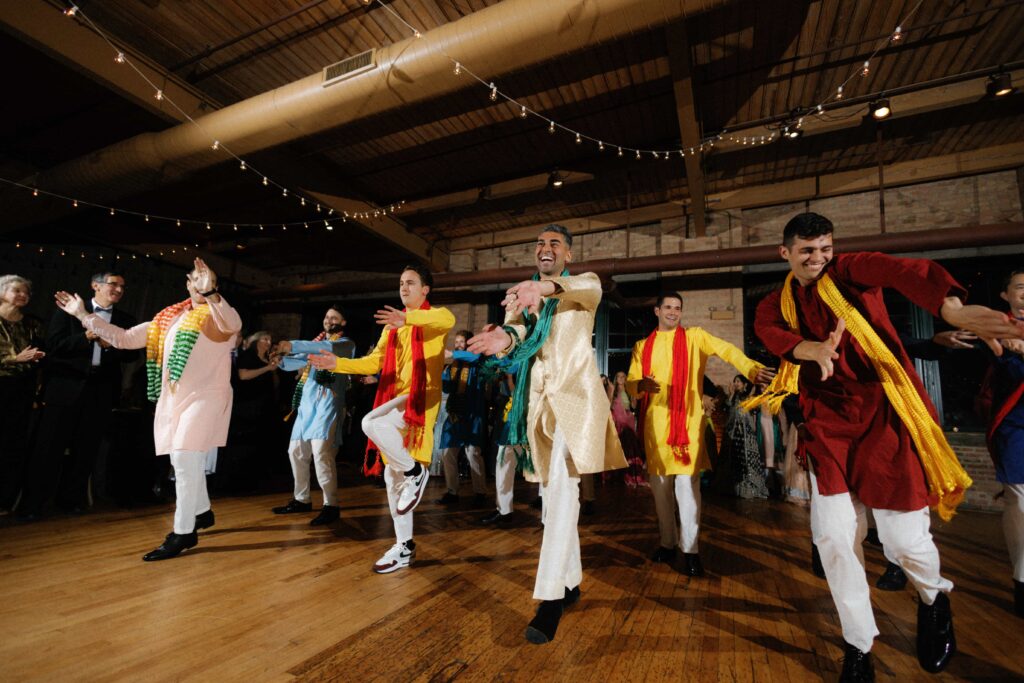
x=500, y=39
x=921, y=240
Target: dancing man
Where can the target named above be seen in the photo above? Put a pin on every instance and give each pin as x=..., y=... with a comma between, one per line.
x=666, y=374
x=319, y=407
x=410, y=359
x=464, y=427
x=871, y=432
x=188, y=366
x=559, y=409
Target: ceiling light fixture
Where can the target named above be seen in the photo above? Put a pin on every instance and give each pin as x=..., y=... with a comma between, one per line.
x=880, y=109
x=555, y=180
x=999, y=85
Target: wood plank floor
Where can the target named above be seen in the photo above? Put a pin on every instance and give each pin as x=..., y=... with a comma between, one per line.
x=265, y=598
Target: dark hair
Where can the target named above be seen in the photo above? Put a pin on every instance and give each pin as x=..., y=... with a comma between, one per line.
x=747, y=384
x=465, y=334
x=806, y=226
x=1009, y=278
x=426, y=277
x=101, y=277
x=668, y=295
x=336, y=307
x=561, y=230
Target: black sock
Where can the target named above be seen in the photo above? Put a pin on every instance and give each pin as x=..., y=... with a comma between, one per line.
x=416, y=469
x=410, y=544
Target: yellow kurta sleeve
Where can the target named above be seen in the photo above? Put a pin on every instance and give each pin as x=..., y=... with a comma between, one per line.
x=711, y=345
x=437, y=319
x=367, y=365
x=636, y=369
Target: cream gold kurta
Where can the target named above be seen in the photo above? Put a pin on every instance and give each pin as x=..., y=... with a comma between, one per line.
x=565, y=386
x=699, y=346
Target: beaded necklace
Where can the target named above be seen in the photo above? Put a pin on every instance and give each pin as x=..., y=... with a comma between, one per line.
x=323, y=377
x=181, y=347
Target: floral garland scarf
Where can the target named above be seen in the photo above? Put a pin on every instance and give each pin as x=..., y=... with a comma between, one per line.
x=181, y=347
x=323, y=377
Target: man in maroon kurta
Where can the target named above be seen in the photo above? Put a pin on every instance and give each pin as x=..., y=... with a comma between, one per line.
x=861, y=453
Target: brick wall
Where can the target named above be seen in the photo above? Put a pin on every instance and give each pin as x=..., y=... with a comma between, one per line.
x=973, y=454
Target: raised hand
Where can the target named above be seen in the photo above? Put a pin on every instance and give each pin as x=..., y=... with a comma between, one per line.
x=325, y=360
x=390, y=317
x=489, y=341
x=71, y=304
x=527, y=294
x=203, y=278
x=824, y=352
x=990, y=325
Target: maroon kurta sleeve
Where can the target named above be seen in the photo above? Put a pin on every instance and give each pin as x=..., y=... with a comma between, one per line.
x=772, y=329
x=923, y=281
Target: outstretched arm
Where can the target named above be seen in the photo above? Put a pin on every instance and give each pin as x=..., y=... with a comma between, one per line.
x=988, y=324
x=118, y=337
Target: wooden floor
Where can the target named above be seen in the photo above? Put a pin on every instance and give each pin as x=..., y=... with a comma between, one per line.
x=265, y=598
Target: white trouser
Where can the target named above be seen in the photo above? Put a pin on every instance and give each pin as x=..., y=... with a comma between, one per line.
x=322, y=453
x=505, y=478
x=1013, y=526
x=680, y=491
x=190, y=487
x=403, y=523
x=450, y=460
x=838, y=527
x=587, y=487
x=559, y=566
x=384, y=426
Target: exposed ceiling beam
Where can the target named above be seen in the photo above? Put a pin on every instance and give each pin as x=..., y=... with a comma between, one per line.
x=74, y=44
x=686, y=112
x=977, y=161
x=507, y=188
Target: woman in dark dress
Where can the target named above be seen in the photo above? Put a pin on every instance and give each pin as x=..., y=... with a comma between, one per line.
x=255, y=418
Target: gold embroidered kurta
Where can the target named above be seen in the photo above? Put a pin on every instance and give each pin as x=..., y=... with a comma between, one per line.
x=435, y=323
x=565, y=385
x=699, y=346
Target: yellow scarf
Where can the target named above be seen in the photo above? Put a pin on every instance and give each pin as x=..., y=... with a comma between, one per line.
x=946, y=479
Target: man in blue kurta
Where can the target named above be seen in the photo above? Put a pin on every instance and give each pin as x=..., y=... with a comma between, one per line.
x=319, y=408
x=464, y=427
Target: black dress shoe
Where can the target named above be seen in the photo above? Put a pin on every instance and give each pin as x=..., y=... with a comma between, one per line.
x=572, y=596
x=328, y=514
x=936, y=642
x=204, y=520
x=172, y=546
x=537, y=503
x=496, y=519
x=448, y=498
x=1018, y=597
x=893, y=579
x=588, y=508
x=663, y=554
x=544, y=625
x=693, y=564
x=872, y=537
x=292, y=507
x=816, y=566
x=857, y=666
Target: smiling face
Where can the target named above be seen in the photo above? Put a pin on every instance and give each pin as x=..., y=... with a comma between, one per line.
x=110, y=291
x=552, y=254
x=263, y=345
x=334, y=322
x=16, y=295
x=412, y=290
x=808, y=258
x=459, y=343
x=1014, y=295
x=669, y=313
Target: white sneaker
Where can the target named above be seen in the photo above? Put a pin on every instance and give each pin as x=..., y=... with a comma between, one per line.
x=412, y=491
x=397, y=557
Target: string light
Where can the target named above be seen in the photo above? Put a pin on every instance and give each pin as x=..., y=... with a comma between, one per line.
x=600, y=146
x=35, y=193
x=159, y=94
x=897, y=35
x=839, y=93
x=241, y=164
x=522, y=112
x=119, y=58
x=458, y=69
x=579, y=140
x=494, y=93
x=551, y=127
x=74, y=203
x=178, y=222
x=265, y=181
x=71, y=11
x=216, y=145
x=111, y=212
x=620, y=152
x=866, y=69
x=638, y=155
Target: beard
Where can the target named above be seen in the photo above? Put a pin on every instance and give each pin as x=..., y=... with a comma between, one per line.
x=334, y=329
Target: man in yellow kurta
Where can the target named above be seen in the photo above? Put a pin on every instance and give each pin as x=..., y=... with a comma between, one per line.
x=410, y=359
x=666, y=375
x=568, y=421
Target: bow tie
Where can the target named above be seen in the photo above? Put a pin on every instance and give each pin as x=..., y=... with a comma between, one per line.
x=100, y=308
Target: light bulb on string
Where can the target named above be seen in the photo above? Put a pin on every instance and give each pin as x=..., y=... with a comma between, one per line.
x=839, y=93
x=551, y=127
x=147, y=218
x=328, y=225
x=579, y=139
x=241, y=164
x=284, y=227
x=302, y=201
x=522, y=111
x=35, y=193
x=306, y=226
x=620, y=152
x=600, y=146
x=119, y=58
x=265, y=181
x=235, y=226
x=178, y=222
x=284, y=192
x=261, y=227
x=159, y=94
x=417, y=33
x=458, y=69
x=655, y=154
x=207, y=226
x=74, y=203
x=897, y=35
x=216, y=145
x=318, y=208
x=111, y=211
x=865, y=69
x=71, y=11
x=494, y=93
x=638, y=155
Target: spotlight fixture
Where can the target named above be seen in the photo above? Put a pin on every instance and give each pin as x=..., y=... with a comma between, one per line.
x=999, y=85
x=555, y=180
x=791, y=132
x=880, y=109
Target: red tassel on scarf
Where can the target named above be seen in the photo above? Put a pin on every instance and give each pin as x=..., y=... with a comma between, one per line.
x=678, y=438
x=415, y=408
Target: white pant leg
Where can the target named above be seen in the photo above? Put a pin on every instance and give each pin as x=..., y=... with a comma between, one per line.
x=324, y=454
x=505, y=479
x=559, y=566
x=663, y=490
x=587, y=486
x=450, y=462
x=300, y=452
x=838, y=526
x=383, y=425
x=687, y=494
x=907, y=541
x=1013, y=526
x=190, y=488
x=476, y=468
x=403, y=523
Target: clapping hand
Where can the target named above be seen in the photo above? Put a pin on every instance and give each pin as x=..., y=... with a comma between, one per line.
x=71, y=304
x=29, y=354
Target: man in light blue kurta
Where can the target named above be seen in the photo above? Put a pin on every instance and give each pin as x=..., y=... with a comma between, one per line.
x=320, y=410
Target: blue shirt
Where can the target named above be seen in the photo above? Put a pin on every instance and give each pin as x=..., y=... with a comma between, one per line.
x=321, y=404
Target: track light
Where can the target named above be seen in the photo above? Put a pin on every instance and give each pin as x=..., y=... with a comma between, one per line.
x=880, y=109
x=999, y=85
x=791, y=132
x=555, y=180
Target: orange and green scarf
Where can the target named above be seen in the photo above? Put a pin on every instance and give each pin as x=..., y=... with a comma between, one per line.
x=947, y=480
x=323, y=377
x=181, y=347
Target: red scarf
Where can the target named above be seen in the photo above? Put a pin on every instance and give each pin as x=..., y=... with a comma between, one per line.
x=678, y=438
x=415, y=408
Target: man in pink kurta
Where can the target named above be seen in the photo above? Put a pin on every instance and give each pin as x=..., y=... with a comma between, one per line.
x=193, y=411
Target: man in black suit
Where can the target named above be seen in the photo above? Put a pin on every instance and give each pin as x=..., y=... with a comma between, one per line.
x=83, y=384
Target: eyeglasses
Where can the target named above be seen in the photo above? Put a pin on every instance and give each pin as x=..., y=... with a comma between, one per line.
x=115, y=285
